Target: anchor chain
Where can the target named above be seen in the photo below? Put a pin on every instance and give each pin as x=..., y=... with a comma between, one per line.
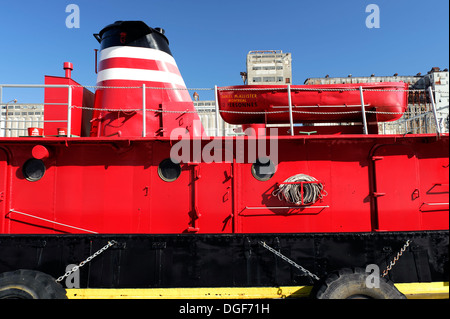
x=293, y=263
x=396, y=258
x=87, y=260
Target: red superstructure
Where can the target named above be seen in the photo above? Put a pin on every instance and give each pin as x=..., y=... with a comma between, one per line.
x=137, y=161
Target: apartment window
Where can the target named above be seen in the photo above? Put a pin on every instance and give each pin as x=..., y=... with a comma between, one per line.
x=257, y=79
x=269, y=79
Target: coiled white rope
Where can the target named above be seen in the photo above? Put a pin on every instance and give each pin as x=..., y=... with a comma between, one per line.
x=292, y=193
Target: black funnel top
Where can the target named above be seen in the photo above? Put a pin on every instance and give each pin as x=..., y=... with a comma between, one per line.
x=134, y=34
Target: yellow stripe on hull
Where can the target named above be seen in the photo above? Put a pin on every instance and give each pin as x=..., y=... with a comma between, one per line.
x=425, y=290
x=411, y=290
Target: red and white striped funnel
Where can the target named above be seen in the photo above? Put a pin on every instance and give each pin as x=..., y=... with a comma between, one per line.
x=132, y=56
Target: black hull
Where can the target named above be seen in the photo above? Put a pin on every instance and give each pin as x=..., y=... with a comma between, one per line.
x=236, y=260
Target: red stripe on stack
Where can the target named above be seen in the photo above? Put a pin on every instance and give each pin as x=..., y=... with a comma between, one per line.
x=134, y=63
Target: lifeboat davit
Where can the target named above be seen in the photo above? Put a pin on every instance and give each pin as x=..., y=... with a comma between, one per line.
x=247, y=104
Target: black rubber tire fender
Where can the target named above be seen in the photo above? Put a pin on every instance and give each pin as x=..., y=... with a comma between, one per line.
x=29, y=284
x=351, y=284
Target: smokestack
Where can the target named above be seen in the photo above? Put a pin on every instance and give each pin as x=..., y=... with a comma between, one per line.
x=133, y=54
x=68, y=67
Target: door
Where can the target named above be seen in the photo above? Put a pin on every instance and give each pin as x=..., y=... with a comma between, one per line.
x=411, y=186
x=190, y=197
x=397, y=188
x=213, y=197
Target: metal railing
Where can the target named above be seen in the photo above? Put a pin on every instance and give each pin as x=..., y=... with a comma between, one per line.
x=421, y=123
x=216, y=90
x=5, y=122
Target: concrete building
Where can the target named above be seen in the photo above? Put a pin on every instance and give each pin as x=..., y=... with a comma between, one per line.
x=207, y=113
x=439, y=80
x=16, y=118
x=269, y=67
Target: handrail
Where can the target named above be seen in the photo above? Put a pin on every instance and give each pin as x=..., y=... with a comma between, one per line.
x=216, y=90
x=216, y=97
x=438, y=130
x=69, y=111
x=226, y=88
x=291, y=121
x=144, y=120
x=28, y=86
x=8, y=215
x=39, y=86
x=363, y=111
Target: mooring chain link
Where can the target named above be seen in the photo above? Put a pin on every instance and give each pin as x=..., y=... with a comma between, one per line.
x=84, y=262
x=233, y=112
x=293, y=263
x=396, y=258
x=226, y=88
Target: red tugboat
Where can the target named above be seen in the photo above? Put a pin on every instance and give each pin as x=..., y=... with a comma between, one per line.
x=131, y=199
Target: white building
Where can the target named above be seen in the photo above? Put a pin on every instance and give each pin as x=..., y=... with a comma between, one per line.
x=15, y=118
x=207, y=113
x=269, y=67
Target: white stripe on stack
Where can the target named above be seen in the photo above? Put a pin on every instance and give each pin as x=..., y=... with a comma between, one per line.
x=137, y=53
x=139, y=75
x=163, y=76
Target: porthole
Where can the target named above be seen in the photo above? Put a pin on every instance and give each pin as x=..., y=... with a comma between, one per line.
x=33, y=169
x=168, y=170
x=263, y=169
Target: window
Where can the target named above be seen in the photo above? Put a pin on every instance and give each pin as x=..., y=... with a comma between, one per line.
x=168, y=170
x=263, y=169
x=33, y=169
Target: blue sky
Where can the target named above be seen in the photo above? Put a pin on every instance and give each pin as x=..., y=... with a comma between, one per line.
x=210, y=39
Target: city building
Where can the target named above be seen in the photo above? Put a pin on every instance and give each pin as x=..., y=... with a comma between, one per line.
x=269, y=67
x=207, y=113
x=16, y=118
